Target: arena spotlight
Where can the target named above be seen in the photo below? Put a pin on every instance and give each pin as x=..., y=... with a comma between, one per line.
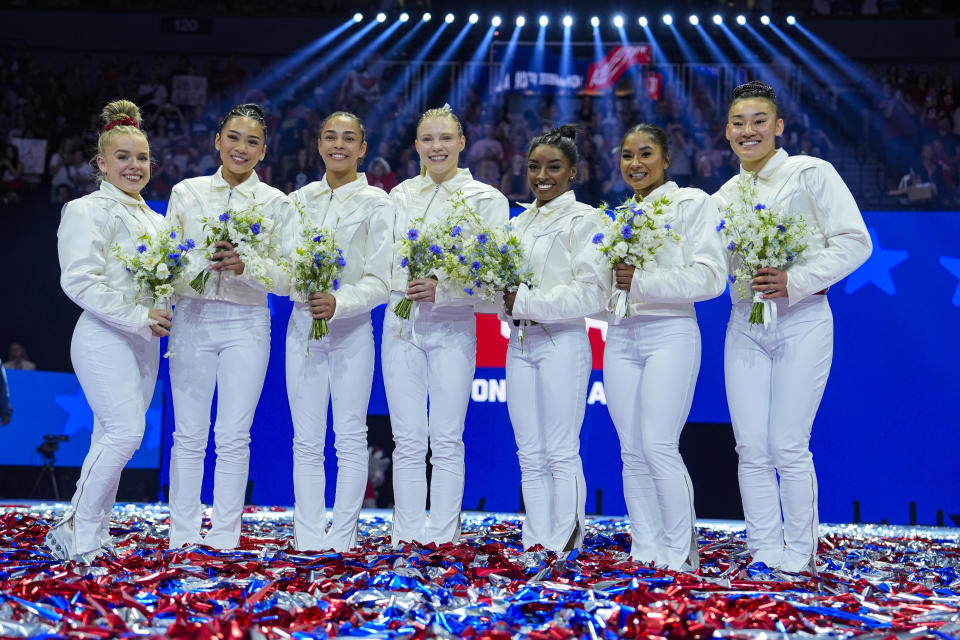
x=791, y=20
x=496, y=21
x=694, y=20
x=544, y=21
x=594, y=22
x=618, y=22
x=448, y=18
x=358, y=17
x=717, y=19
x=474, y=18
x=568, y=21
x=741, y=20
x=427, y=16
x=521, y=21
x=764, y=20
x=642, y=21
x=667, y=19
x=404, y=16
x=381, y=17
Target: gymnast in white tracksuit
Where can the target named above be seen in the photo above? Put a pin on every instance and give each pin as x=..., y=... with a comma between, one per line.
x=433, y=353
x=115, y=348
x=222, y=339
x=339, y=366
x=775, y=376
x=652, y=356
x=547, y=374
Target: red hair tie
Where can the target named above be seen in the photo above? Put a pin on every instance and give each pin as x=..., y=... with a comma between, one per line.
x=122, y=121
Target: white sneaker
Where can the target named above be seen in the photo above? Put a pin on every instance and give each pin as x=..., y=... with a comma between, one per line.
x=61, y=541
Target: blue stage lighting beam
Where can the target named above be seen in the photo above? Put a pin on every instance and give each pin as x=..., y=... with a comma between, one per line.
x=332, y=83
x=715, y=52
x=402, y=42
x=397, y=84
x=469, y=76
x=685, y=48
x=447, y=54
x=566, y=53
x=539, y=50
x=632, y=69
x=508, y=55
x=669, y=78
x=849, y=68
x=746, y=55
x=278, y=70
x=340, y=50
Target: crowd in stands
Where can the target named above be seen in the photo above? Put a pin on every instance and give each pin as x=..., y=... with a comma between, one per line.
x=48, y=128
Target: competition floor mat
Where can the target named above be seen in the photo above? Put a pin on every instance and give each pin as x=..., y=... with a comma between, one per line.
x=873, y=581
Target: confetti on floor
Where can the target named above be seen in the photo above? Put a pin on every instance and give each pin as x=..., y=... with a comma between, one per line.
x=873, y=582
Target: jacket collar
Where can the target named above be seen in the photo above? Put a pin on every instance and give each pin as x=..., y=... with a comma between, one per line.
x=459, y=180
x=665, y=189
x=342, y=193
x=112, y=192
x=247, y=187
x=563, y=200
x=772, y=165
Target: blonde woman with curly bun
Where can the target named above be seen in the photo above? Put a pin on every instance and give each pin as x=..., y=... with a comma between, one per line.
x=115, y=348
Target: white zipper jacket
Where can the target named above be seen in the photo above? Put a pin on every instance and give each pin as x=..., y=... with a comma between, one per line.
x=812, y=189
x=693, y=269
x=90, y=274
x=361, y=217
x=557, y=241
x=194, y=199
x=421, y=196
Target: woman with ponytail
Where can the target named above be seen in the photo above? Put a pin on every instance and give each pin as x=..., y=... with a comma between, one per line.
x=433, y=353
x=775, y=376
x=115, y=348
x=223, y=333
x=339, y=367
x=548, y=357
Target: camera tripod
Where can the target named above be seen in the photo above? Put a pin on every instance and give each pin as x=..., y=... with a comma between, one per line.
x=48, y=469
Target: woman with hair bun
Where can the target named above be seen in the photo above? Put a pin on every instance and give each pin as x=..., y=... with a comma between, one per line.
x=652, y=356
x=433, y=353
x=223, y=334
x=339, y=368
x=548, y=368
x=115, y=348
x=775, y=377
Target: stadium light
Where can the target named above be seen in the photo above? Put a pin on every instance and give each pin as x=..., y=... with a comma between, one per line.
x=618, y=22
x=427, y=16
x=594, y=22
x=717, y=19
x=568, y=21
x=449, y=18
x=381, y=17
x=404, y=16
x=474, y=18
x=642, y=21
x=496, y=21
x=741, y=20
x=791, y=20
x=667, y=19
x=694, y=20
x=544, y=21
x=358, y=17
x=764, y=20
x=521, y=21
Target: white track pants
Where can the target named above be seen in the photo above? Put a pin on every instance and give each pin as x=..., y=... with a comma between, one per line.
x=338, y=370
x=775, y=380
x=118, y=372
x=650, y=367
x=222, y=346
x=436, y=360
x=546, y=400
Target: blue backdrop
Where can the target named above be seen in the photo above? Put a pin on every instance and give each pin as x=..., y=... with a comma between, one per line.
x=886, y=434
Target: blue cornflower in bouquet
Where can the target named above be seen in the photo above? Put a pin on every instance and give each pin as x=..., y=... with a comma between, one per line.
x=248, y=231
x=425, y=252
x=759, y=236
x=160, y=260
x=633, y=236
x=316, y=266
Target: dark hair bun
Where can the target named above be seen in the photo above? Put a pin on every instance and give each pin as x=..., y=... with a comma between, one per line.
x=755, y=89
x=565, y=131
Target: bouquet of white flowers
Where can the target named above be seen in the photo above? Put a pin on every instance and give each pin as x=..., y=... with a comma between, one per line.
x=316, y=265
x=633, y=237
x=248, y=232
x=159, y=262
x=759, y=236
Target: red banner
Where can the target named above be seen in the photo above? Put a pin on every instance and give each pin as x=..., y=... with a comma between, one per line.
x=654, y=85
x=603, y=74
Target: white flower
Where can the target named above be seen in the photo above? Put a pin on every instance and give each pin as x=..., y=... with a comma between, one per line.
x=162, y=271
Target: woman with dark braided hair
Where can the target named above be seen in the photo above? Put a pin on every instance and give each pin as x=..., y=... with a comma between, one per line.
x=548, y=356
x=223, y=334
x=775, y=376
